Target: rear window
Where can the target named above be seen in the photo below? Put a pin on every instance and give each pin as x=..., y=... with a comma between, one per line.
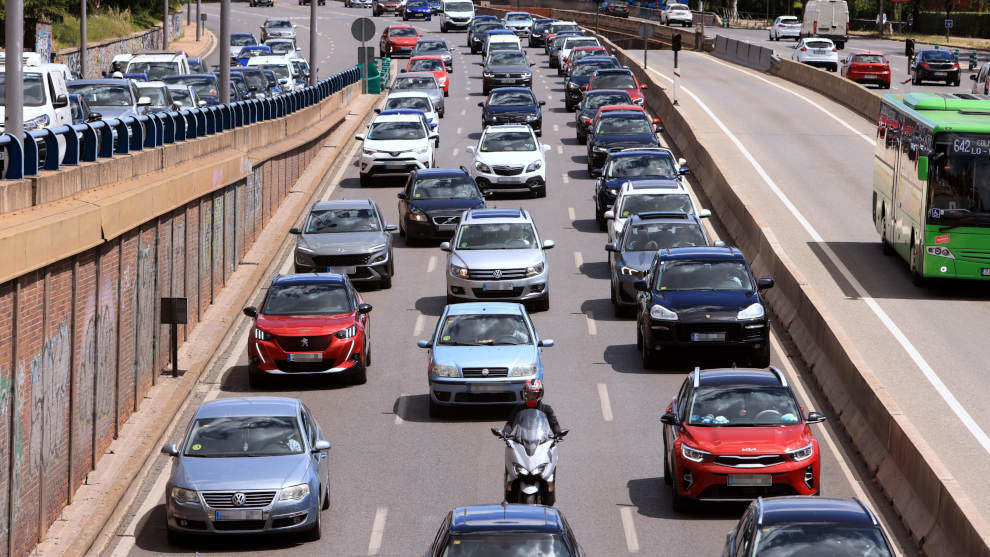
x=869, y=59
x=819, y=44
x=938, y=55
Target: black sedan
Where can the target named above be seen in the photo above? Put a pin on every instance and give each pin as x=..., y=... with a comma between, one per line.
x=935, y=65
x=513, y=105
x=620, y=129
x=614, y=8
x=504, y=68
x=477, y=31
x=538, y=35
x=588, y=107
x=431, y=204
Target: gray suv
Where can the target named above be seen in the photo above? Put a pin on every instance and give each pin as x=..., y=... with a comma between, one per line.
x=497, y=254
x=348, y=237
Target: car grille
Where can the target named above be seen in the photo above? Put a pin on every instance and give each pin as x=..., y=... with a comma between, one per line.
x=252, y=499
x=341, y=260
x=507, y=170
x=496, y=274
x=446, y=219
x=479, y=372
x=749, y=461
x=496, y=294
x=304, y=367
x=315, y=343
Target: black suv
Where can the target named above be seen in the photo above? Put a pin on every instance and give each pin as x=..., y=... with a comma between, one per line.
x=617, y=130
x=512, y=105
x=506, y=68
x=702, y=298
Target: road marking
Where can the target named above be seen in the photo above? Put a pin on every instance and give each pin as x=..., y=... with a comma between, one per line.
x=570, y=213
x=556, y=128
x=606, y=405
x=418, y=327
x=400, y=407
x=377, y=530
x=590, y=321
x=578, y=260
x=431, y=265
x=459, y=131
x=565, y=178
x=560, y=149
x=632, y=542
x=981, y=436
x=454, y=152
x=463, y=112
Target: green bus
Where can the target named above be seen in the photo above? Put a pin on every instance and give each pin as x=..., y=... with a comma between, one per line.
x=931, y=183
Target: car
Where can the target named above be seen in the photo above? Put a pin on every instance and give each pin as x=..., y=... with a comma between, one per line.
x=588, y=106
x=113, y=98
x=306, y=2
x=737, y=434
x=157, y=93
x=436, y=6
x=618, y=78
x=417, y=9
x=555, y=43
x=239, y=87
x=521, y=23
x=622, y=128
x=423, y=82
x=435, y=47
x=503, y=68
x=277, y=28
x=817, y=52
x=509, y=157
x=630, y=256
x=207, y=85
x=412, y=100
x=791, y=525
x=248, y=465
x=301, y=71
x=867, y=67
x=569, y=44
x=826, y=19
x=632, y=166
x=256, y=3
x=478, y=30
x=350, y=237
x=196, y=65
x=497, y=254
x=580, y=76
x=159, y=63
x=395, y=145
x=482, y=353
x=283, y=47
x=239, y=41
x=614, y=8
x=538, y=33
x=666, y=195
x=512, y=105
x=281, y=66
x=357, y=3
x=185, y=96
x=398, y=40
x=981, y=80
x=379, y=7
x=704, y=299
x=433, y=65
x=785, y=27
x=677, y=14
x=46, y=97
x=581, y=52
x=81, y=113
x=935, y=65
x=558, y=27
x=431, y=204
x=247, y=52
x=274, y=87
x=500, y=39
x=455, y=15
x=513, y=529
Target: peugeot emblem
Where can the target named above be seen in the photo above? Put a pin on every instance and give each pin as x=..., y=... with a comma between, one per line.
x=304, y=341
x=497, y=273
x=484, y=372
x=238, y=499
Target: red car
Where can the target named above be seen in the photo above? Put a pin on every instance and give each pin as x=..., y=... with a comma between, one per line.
x=398, y=40
x=738, y=434
x=610, y=107
x=309, y=324
x=867, y=67
x=617, y=78
x=433, y=64
x=582, y=51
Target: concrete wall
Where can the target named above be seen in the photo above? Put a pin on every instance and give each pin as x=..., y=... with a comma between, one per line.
x=100, y=54
x=866, y=102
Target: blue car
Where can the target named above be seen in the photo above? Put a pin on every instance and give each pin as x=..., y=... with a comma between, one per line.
x=482, y=353
x=513, y=105
x=633, y=165
x=436, y=6
x=512, y=529
x=417, y=9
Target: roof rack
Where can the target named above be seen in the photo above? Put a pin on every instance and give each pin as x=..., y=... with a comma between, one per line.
x=780, y=375
x=496, y=213
x=173, y=52
x=759, y=506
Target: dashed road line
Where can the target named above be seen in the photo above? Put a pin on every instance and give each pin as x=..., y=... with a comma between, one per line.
x=590, y=321
x=377, y=531
x=565, y=178
x=606, y=405
x=629, y=528
x=560, y=149
x=570, y=214
x=431, y=265
x=578, y=260
x=454, y=152
x=459, y=131
x=420, y=323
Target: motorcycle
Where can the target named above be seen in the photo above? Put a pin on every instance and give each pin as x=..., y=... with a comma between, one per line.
x=530, y=459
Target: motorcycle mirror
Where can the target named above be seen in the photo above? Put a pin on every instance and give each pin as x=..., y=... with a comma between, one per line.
x=562, y=433
x=497, y=433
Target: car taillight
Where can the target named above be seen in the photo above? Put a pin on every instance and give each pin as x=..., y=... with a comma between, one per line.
x=814, y=29
x=834, y=49
x=586, y=120
x=955, y=66
x=804, y=49
x=847, y=27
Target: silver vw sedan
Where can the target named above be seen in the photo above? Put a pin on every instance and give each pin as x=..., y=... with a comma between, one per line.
x=248, y=465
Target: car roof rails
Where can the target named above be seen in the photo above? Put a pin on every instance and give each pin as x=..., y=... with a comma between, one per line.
x=780, y=375
x=496, y=213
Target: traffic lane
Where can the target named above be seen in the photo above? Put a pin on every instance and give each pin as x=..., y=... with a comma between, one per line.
x=826, y=170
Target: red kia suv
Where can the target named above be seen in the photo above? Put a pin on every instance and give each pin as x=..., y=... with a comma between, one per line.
x=738, y=434
x=398, y=39
x=309, y=324
x=618, y=78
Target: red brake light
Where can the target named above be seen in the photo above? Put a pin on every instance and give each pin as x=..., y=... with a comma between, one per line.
x=834, y=49
x=955, y=66
x=804, y=49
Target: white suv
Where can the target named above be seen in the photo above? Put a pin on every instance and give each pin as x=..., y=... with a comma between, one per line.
x=395, y=145
x=785, y=27
x=157, y=64
x=46, y=98
x=510, y=157
x=678, y=14
x=661, y=195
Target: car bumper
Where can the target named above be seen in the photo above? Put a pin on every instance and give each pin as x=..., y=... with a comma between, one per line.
x=281, y=516
x=877, y=78
x=680, y=20
x=938, y=75
x=527, y=181
x=396, y=51
x=706, y=481
x=399, y=166
x=789, y=33
x=521, y=290
x=361, y=273
x=520, y=31
x=537, y=125
x=419, y=15
x=736, y=335
x=454, y=24
x=341, y=356
x=460, y=392
x=427, y=230
x=504, y=81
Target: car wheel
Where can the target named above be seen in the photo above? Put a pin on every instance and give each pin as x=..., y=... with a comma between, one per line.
x=367, y=353
x=326, y=496
x=639, y=338
x=582, y=138
x=315, y=531
x=443, y=28
x=542, y=304
x=885, y=246
x=256, y=378
x=678, y=502
x=360, y=377
x=649, y=359
x=955, y=83
x=540, y=191
x=365, y=180
x=550, y=497
x=569, y=107
x=760, y=357
x=666, y=466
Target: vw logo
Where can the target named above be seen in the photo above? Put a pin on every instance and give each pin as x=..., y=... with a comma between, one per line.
x=484, y=372
x=238, y=499
x=497, y=273
x=304, y=341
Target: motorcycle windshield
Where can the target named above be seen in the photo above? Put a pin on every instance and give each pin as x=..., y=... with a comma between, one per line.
x=531, y=429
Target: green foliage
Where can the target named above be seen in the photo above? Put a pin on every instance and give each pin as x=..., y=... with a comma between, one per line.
x=102, y=25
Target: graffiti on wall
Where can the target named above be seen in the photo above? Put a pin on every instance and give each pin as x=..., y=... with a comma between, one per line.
x=100, y=55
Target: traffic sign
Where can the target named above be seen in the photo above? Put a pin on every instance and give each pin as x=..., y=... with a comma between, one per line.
x=363, y=29
x=948, y=24
x=645, y=30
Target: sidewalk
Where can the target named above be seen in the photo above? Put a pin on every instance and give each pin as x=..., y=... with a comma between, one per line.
x=201, y=49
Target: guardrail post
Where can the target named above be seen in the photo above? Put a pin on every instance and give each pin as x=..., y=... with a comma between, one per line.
x=211, y=120
x=136, y=133
x=122, y=142
x=51, y=146
x=169, y=131
x=180, y=125
x=105, y=148
x=71, y=147
x=30, y=155
x=89, y=143
x=13, y=158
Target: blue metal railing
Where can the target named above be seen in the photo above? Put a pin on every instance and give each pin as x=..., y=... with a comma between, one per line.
x=90, y=142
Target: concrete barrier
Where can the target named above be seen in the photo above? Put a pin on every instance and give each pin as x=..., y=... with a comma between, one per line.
x=865, y=102
x=743, y=53
x=935, y=509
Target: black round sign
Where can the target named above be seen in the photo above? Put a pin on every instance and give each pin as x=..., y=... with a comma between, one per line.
x=363, y=29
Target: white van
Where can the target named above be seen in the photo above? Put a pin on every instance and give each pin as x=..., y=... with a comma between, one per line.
x=456, y=14
x=46, y=98
x=828, y=19
x=158, y=64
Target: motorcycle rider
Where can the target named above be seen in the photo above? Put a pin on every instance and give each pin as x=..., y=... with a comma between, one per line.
x=532, y=394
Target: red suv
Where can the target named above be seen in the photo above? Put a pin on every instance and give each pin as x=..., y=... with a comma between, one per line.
x=309, y=324
x=398, y=39
x=738, y=434
x=867, y=67
x=618, y=78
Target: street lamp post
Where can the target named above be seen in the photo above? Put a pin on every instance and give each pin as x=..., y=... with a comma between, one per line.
x=83, y=48
x=312, y=41
x=225, y=51
x=165, y=25
x=14, y=31
x=199, y=21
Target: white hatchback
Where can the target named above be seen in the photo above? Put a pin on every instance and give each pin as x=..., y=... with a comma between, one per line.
x=510, y=158
x=677, y=14
x=785, y=27
x=395, y=145
x=662, y=195
x=817, y=52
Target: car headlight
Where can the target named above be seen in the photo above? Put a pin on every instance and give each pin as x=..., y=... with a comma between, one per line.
x=693, y=454
x=304, y=248
x=482, y=167
x=422, y=150
x=520, y=470
x=599, y=149
x=294, y=492
x=661, y=313
x=630, y=272
x=522, y=370
x=348, y=332
x=527, y=75
x=182, y=495
x=368, y=151
x=534, y=166
x=459, y=271
x=572, y=85
x=489, y=75
x=754, y=311
x=532, y=117
x=539, y=469
x=939, y=251
x=534, y=270
x=441, y=370
x=804, y=453
x=37, y=123
x=261, y=335
x=380, y=257
x=416, y=214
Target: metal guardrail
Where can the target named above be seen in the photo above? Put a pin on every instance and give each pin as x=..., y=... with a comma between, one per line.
x=89, y=142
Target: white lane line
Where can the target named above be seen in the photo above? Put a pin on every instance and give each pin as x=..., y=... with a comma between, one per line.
x=981, y=436
x=560, y=149
x=565, y=178
x=463, y=112
x=431, y=265
x=578, y=260
x=632, y=542
x=459, y=131
x=420, y=323
x=455, y=151
x=590, y=321
x=377, y=530
x=606, y=405
x=570, y=213
x=400, y=408
x=556, y=128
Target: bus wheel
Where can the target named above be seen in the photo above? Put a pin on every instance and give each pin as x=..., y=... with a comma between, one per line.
x=884, y=244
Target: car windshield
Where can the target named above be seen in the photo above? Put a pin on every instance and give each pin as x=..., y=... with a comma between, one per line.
x=418, y=4
x=704, y=275
x=204, y=86
x=595, y=101
x=278, y=24
x=155, y=70
x=818, y=44
x=653, y=237
x=820, y=539
x=244, y=436
x=402, y=32
x=281, y=48
x=182, y=97
x=624, y=125
x=319, y=298
x=484, y=329
x=414, y=103
x=518, y=17
x=508, y=141
x=390, y=131
x=418, y=82
x=743, y=405
x=254, y=78
x=586, y=51
x=430, y=46
x=341, y=220
x=512, y=98
x=508, y=235
x=426, y=65
x=512, y=58
x=252, y=52
x=242, y=40
x=588, y=68
x=564, y=27
x=448, y=187
x=938, y=56
x=505, y=543
x=458, y=7
x=580, y=41
x=281, y=71
x=486, y=26
x=652, y=166
x=868, y=59
x=636, y=203
x=34, y=89
x=788, y=20
x=103, y=95
x=615, y=81
x=156, y=94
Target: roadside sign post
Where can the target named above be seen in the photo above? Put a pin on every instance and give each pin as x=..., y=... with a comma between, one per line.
x=312, y=42
x=174, y=312
x=363, y=29
x=83, y=47
x=948, y=27
x=675, y=45
x=645, y=31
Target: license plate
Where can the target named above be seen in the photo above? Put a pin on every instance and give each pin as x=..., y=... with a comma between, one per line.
x=485, y=388
x=496, y=286
x=819, y=51
x=985, y=272
x=870, y=76
x=761, y=480
x=396, y=164
x=445, y=227
x=306, y=357
x=342, y=270
x=239, y=514
x=707, y=337
x=941, y=74
x=509, y=180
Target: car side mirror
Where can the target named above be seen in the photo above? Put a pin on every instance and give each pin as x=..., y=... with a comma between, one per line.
x=391, y=228
x=423, y=343
x=445, y=246
x=482, y=105
x=718, y=244
x=546, y=342
x=611, y=247
x=669, y=419
x=469, y=148
x=683, y=171
x=173, y=450
x=704, y=214
x=487, y=194
x=546, y=147
x=322, y=444
x=295, y=230
x=201, y=104
x=548, y=244
x=640, y=285
x=531, y=64
x=61, y=101
x=658, y=128
x=815, y=418
x=643, y=86
x=364, y=308
x=94, y=117
x=402, y=195
x=402, y=70
x=378, y=111
x=251, y=311
x=764, y=283
x=972, y=77
x=359, y=137
x=609, y=215
x=542, y=103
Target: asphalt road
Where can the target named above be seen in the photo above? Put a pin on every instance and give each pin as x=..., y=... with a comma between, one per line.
x=396, y=472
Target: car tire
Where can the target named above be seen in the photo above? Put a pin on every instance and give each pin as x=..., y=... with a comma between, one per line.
x=452, y=300
x=365, y=180
x=315, y=532
x=542, y=304
x=678, y=502
x=540, y=191
x=667, y=477
x=443, y=27
x=385, y=283
x=648, y=358
x=639, y=337
x=550, y=497
x=761, y=357
x=582, y=138
x=256, y=378
x=955, y=83
x=360, y=377
x=885, y=246
x=569, y=107
x=326, y=497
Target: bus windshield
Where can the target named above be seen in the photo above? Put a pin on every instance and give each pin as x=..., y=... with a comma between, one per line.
x=959, y=194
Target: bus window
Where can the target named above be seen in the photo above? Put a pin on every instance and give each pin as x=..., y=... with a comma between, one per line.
x=960, y=180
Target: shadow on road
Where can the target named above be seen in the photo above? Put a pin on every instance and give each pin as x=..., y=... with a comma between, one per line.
x=651, y=497
x=416, y=408
x=431, y=305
